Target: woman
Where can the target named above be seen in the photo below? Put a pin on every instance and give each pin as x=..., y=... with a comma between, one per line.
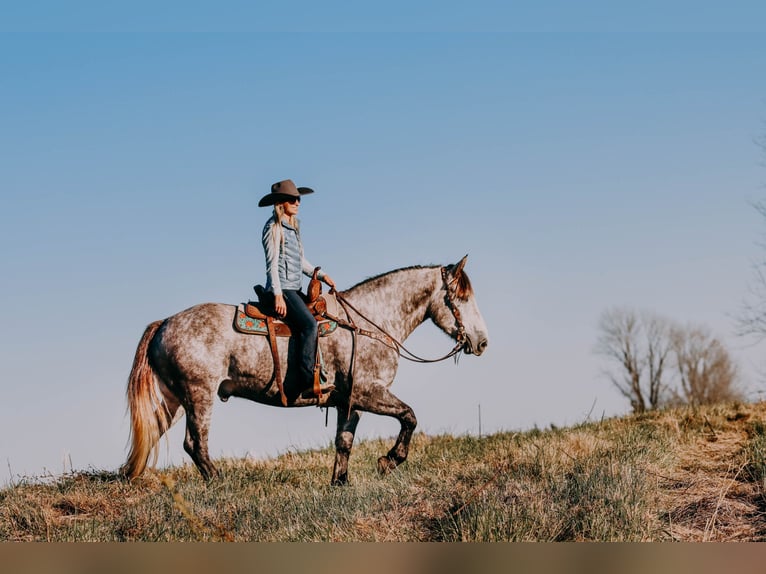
x=285, y=267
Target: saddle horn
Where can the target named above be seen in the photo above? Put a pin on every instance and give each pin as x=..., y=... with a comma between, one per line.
x=315, y=286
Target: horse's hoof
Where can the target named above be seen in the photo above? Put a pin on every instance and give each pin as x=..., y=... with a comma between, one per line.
x=385, y=465
x=210, y=474
x=225, y=390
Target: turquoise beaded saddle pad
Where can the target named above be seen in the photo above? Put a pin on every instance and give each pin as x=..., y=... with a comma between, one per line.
x=244, y=323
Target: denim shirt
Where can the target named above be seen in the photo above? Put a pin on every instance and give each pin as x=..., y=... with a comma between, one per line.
x=285, y=263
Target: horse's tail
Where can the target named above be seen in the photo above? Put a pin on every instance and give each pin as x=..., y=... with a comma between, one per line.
x=147, y=420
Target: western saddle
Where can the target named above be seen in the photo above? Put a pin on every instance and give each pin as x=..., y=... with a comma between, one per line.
x=263, y=310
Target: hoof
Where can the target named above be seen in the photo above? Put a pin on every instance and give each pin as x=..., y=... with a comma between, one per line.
x=210, y=474
x=385, y=465
x=225, y=390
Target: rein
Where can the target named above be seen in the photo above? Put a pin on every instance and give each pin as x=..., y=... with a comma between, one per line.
x=386, y=338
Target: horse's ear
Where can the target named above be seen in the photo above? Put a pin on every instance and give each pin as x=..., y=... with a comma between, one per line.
x=458, y=269
x=460, y=280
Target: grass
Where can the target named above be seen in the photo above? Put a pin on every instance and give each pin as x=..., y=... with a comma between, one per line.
x=680, y=474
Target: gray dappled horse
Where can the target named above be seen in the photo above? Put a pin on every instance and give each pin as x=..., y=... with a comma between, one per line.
x=183, y=360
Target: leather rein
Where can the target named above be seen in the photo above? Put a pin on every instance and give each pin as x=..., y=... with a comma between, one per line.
x=384, y=337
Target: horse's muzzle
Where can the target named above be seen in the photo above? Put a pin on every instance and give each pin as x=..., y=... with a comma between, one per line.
x=478, y=349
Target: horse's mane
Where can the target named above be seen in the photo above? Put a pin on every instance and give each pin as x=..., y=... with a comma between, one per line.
x=387, y=273
x=463, y=289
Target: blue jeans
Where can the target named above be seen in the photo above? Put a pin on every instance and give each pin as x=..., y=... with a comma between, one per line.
x=304, y=332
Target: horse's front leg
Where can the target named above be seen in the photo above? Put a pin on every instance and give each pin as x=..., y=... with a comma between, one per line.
x=344, y=440
x=379, y=400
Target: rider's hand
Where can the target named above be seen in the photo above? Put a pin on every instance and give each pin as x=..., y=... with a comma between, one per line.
x=329, y=281
x=279, y=305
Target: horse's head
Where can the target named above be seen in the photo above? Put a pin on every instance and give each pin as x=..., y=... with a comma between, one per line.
x=454, y=310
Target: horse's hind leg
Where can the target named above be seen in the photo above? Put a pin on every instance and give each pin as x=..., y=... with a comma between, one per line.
x=170, y=411
x=198, y=411
x=344, y=440
x=379, y=400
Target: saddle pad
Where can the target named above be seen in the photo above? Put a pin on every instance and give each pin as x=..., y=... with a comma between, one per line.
x=245, y=324
x=251, y=326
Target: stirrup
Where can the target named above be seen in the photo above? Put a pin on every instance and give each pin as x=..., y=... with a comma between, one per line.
x=324, y=389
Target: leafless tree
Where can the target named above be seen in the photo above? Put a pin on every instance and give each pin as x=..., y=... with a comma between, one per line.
x=639, y=346
x=752, y=319
x=706, y=372
x=655, y=362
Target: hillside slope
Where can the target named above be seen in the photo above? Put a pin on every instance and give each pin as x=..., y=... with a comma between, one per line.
x=692, y=475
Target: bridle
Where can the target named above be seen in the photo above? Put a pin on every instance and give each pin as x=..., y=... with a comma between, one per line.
x=386, y=338
x=449, y=299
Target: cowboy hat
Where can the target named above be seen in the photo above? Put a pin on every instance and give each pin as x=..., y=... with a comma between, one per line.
x=282, y=191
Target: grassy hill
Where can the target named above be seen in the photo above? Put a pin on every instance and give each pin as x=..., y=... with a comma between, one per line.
x=684, y=474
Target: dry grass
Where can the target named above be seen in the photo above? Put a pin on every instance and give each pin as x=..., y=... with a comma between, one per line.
x=693, y=475
x=711, y=494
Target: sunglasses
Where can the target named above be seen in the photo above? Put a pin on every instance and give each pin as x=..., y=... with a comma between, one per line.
x=293, y=200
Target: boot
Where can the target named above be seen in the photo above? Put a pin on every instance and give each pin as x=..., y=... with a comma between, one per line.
x=319, y=385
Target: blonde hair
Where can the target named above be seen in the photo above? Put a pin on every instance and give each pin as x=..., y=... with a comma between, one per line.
x=279, y=217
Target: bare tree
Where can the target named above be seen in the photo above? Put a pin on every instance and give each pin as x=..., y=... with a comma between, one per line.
x=752, y=319
x=654, y=362
x=707, y=374
x=639, y=346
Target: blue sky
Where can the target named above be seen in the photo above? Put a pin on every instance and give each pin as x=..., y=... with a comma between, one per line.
x=579, y=169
